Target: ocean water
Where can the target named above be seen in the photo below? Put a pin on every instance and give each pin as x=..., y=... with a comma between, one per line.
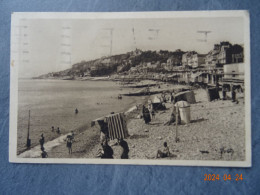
x=53, y=103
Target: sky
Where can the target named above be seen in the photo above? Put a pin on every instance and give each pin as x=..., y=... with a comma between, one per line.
x=50, y=45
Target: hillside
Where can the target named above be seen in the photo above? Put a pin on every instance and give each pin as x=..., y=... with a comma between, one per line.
x=118, y=63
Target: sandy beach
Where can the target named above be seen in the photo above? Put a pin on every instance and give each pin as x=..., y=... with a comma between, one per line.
x=215, y=126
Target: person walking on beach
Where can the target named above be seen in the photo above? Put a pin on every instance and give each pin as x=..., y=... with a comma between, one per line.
x=164, y=153
x=52, y=128
x=125, y=147
x=76, y=111
x=41, y=141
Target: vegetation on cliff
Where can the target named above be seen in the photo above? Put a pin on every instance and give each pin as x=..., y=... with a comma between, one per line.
x=118, y=63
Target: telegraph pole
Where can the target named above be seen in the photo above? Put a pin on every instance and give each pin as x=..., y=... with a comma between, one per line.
x=28, y=133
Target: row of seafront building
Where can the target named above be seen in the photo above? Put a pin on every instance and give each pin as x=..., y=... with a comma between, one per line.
x=224, y=65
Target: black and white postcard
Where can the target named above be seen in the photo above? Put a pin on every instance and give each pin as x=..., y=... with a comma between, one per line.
x=143, y=88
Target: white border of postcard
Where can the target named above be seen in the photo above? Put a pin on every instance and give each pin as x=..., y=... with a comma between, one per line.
x=183, y=14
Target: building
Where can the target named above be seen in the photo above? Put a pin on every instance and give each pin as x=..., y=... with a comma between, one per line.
x=211, y=59
x=234, y=71
x=238, y=58
x=187, y=58
x=197, y=60
x=224, y=53
x=234, y=75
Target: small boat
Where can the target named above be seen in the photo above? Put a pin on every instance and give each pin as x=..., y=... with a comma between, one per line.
x=142, y=92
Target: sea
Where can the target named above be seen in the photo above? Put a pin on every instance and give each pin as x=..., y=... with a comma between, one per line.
x=53, y=103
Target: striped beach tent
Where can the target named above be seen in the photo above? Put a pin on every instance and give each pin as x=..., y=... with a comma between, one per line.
x=117, y=127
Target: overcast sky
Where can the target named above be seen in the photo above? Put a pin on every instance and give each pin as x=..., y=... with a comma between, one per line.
x=52, y=45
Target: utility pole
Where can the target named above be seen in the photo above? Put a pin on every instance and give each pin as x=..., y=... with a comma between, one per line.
x=205, y=32
x=176, y=122
x=28, y=133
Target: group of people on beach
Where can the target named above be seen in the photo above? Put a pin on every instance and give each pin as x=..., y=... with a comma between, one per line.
x=148, y=113
x=57, y=130
x=106, y=151
x=69, y=140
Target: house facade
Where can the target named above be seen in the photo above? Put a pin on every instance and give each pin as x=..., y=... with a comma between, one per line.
x=187, y=58
x=224, y=53
x=197, y=60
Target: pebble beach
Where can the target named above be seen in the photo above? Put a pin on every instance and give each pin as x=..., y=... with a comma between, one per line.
x=216, y=132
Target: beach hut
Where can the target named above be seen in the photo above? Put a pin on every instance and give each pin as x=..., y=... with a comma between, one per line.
x=188, y=96
x=117, y=126
x=213, y=94
x=184, y=110
x=158, y=104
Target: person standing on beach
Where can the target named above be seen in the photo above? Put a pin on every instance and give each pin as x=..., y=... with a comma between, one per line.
x=76, y=111
x=58, y=130
x=69, y=140
x=52, y=128
x=146, y=115
x=41, y=141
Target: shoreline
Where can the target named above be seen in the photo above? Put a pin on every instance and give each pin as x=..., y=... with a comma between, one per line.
x=35, y=151
x=91, y=101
